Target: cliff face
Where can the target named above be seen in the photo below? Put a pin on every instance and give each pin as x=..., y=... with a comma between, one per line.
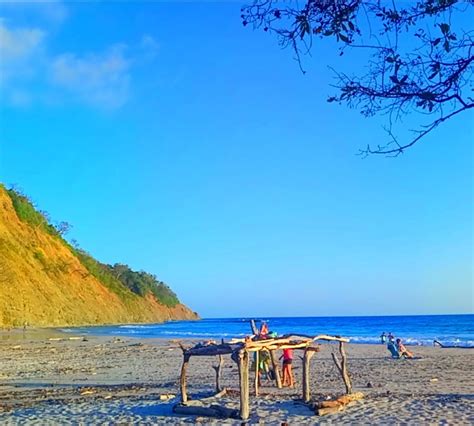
x=45, y=282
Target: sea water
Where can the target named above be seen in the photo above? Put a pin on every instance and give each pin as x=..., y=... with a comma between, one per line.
x=413, y=330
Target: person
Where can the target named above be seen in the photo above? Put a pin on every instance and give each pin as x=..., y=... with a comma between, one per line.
x=265, y=363
x=390, y=337
x=263, y=333
x=263, y=367
x=383, y=338
x=288, y=379
x=402, y=350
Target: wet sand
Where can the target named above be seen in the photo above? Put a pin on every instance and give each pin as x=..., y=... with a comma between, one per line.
x=46, y=377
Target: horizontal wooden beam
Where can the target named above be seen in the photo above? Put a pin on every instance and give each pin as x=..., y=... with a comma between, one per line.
x=331, y=338
x=212, y=350
x=274, y=347
x=289, y=341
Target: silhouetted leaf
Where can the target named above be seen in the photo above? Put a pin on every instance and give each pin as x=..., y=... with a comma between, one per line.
x=344, y=38
x=444, y=28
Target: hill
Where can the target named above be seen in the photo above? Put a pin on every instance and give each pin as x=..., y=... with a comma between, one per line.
x=45, y=281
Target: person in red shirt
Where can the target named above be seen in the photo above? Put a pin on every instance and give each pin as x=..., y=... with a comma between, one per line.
x=288, y=379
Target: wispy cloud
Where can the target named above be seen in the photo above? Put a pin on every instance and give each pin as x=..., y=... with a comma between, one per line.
x=99, y=79
x=30, y=73
x=18, y=43
x=20, y=52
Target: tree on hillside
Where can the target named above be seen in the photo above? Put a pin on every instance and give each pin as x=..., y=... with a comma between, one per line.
x=421, y=59
x=63, y=228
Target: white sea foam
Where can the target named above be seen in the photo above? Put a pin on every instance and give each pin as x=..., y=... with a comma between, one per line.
x=417, y=330
x=135, y=326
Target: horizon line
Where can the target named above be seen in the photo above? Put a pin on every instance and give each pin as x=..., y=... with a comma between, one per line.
x=259, y=318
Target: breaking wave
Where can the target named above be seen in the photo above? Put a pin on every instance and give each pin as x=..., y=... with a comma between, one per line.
x=450, y=330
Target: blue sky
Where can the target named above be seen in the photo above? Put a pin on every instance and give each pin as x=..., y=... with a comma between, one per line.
x=180, y=143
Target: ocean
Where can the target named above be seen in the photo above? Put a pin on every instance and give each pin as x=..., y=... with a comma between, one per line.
x=413, y=330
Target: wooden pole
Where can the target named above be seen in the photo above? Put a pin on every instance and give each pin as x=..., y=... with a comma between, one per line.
x=306, y=384
x=244, y=384
x=257, y=361
x=342, y=367
x=218, y=369
x=253, y=326
x=276, y=369
x=345, y=374
x=184, y=395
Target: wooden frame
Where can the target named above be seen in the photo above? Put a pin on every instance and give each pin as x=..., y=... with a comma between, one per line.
x=240, y=350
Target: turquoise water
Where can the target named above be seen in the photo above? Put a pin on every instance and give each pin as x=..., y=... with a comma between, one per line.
x=414, y=330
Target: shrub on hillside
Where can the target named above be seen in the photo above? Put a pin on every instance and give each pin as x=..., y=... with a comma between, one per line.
x=143, y=283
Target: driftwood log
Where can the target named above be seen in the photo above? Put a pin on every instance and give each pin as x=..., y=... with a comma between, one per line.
x=182, y=380
x=286, y=339
x=342, y=367
x=218, y=369
x=244, y=384
x=211, y=350
x=254, y=327
x=211, y=411
x=208, y=400
x=308, y=354
x=329, y=407
x=257, y=371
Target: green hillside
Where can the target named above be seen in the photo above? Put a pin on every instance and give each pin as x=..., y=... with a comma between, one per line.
x=44, y=280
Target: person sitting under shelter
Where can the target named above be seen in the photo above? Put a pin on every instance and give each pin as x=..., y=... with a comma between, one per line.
x=262, y=368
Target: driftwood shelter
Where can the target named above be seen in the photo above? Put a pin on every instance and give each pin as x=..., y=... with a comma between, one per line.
x=240, y=350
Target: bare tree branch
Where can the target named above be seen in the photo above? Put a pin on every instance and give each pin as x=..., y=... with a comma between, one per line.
x=420, y=61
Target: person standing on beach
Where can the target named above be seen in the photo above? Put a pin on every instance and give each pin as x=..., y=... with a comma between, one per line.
x=383, y=338
x=288, y=379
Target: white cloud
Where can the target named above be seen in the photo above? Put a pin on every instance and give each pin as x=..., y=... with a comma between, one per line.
x=16, y=44
x=30, y=73
x=20, y=49
x=98, y=79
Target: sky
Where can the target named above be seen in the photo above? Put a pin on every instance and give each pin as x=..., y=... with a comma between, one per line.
x=177, y=141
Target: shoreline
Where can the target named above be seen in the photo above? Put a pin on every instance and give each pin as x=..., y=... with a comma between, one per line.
x=38, y=333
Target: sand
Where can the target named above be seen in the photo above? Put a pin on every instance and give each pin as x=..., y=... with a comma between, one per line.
x=124, y=381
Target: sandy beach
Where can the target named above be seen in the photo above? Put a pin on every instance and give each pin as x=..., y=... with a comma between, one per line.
x=49, y=377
